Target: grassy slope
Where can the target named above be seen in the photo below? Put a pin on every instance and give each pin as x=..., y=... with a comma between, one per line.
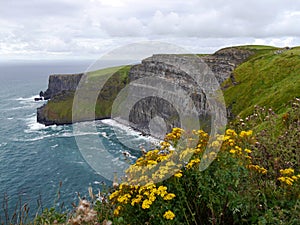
x=266, y=79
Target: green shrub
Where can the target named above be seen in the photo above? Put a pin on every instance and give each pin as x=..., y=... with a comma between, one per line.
x=254, y=179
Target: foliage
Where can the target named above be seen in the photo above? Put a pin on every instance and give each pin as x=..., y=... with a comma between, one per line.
x=270, y=78
x=254, y=179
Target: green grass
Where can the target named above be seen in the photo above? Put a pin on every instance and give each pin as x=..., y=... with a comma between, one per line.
x=105, y=71
x=266, y=79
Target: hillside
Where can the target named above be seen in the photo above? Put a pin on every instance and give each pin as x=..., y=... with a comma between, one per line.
x=249, y=76
x=269, y=78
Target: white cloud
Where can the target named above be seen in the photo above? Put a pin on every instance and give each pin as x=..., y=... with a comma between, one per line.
x=80, y=28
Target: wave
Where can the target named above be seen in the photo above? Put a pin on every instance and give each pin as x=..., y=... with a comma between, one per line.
x=24, y=103
x=27, y=99
x=33, y=125
x=3, y=144
x=32, y=139
x=48, y=131
x=130, y=131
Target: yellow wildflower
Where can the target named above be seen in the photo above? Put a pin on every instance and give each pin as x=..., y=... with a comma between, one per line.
x=178, y=174
x=230, y=132
x=152, y=197
x=117, y=210
x=244, y=134
x=162, y=191
x=136, y=200
x=169, y=215
x=258, y=169
x=169, y=196
x=113, y=195
x=215, y=144
x=146, y=204
x=192, y=162
x=288, y=171
x=124, y=199
x=286, y=180
x=248, y=151
x=232, y=151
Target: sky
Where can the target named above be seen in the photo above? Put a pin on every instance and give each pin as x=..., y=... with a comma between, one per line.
x=86, y=29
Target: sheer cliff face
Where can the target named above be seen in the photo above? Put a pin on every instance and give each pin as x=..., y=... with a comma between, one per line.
x=59, y=83
x=143, y=107
x=171, y=69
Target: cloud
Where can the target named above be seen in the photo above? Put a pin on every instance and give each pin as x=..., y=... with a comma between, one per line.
x=82, y=28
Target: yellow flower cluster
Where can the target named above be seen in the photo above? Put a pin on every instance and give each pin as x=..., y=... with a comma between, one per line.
x=245, y=134
x=288, y=177
x=257, y=168
x=231, y=132
x=192, y=163
x=288, y=171
x=143, y=179
x=169, y=215
x=174, y=135
x=232, y=143
x=117, y=210
x=144, y=195
x=159, y=164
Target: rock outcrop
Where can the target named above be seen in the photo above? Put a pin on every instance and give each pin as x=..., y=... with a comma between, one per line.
x=169, y=68
x=144, y=111
x=223, y=62
x=59, y=83
x=60, y=88
x=96, y=105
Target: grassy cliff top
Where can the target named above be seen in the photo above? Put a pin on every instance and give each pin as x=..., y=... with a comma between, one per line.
x=271, y=78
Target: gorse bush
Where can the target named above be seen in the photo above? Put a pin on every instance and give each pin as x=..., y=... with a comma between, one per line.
x=253, y=179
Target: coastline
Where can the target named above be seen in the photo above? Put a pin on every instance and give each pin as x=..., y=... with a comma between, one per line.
x=125, y=126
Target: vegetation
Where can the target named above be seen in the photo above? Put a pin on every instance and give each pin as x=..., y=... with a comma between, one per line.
x=254, y=177
x=270, y=78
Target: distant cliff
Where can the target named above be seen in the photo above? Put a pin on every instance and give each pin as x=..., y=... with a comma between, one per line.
x=61, y=83
x=61, y=90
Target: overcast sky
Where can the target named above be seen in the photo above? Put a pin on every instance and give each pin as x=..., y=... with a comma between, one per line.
x=85, y=29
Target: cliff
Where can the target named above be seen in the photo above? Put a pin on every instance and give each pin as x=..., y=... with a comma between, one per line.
x=61, y=83
x=168, y=68
x=248, y=75
x=61, y=90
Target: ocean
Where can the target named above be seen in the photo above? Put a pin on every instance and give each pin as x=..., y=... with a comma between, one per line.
x=34, y=159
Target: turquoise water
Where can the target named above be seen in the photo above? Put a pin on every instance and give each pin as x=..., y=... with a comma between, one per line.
x=34, y=159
